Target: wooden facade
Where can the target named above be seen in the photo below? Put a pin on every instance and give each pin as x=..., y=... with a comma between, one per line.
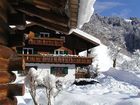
x=54, y=48
x=57, y=15
x=9, y=61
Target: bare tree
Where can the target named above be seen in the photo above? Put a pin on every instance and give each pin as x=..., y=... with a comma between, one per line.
x=114, y=52
x=32, y=76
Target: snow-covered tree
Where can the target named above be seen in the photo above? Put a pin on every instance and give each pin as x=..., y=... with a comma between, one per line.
x=134, y=63
x=51, y=84
x=127, y=65
x=114, y=51
x=136, y=59
x=32, y=80
x=93, y=71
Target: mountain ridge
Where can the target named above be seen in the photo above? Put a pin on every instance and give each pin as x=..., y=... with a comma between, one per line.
x=122, y=32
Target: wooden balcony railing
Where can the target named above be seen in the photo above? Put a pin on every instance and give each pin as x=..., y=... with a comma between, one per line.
x=46, y=41
x=57, y=59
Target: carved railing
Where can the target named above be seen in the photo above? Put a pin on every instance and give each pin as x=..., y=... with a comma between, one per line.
x=78, y=60
x=46, y=41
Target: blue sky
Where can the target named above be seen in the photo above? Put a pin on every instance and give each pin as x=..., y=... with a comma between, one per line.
x=121, y=8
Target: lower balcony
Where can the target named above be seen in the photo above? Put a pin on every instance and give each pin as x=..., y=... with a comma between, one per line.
x=68, y=59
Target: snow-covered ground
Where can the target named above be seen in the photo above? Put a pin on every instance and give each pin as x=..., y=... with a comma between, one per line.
x=109, y=91
x=115, y=87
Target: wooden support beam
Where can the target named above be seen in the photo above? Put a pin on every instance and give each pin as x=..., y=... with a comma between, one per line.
x=76, y=2
x=48, y=16
x=48, y=3
x=18, y=37
x=8, y=101
x=10, y=90
x=3, y=23
x=48, y=25
x=6, y=77
x=73, y=6
x=16, y=19
x=3, y=5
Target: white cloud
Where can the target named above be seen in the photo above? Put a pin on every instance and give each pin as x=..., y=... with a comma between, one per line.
x=102, y=6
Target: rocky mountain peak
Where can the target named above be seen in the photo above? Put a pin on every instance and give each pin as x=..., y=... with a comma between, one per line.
x=122, y=32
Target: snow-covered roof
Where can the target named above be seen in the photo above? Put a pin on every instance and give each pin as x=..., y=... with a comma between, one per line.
x=85, y=11
x=86, y=36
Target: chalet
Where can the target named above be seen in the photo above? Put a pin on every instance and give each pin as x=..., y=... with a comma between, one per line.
x=53, y=49
x=55, y=52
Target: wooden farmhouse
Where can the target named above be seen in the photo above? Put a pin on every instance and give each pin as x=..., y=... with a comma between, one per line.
x=55, y=52
x=26, y=28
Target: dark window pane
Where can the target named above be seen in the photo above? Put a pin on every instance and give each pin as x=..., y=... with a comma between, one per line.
x=56, y=52
x=61, y=52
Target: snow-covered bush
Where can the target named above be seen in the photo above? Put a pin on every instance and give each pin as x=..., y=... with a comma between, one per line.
x=127, y=65
x=134, y=63
x=93, y=71
x=51, y=84
x=136, y=59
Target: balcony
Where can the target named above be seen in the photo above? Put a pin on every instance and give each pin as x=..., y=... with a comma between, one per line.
x=78, y=60
x=46, y=41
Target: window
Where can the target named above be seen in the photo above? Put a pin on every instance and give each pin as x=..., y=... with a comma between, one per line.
x=61, y=52
x=56, y=52
x=44, y=34
x=27, y=51
x=59, y=71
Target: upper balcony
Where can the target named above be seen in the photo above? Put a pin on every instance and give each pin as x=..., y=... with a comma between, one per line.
x=68, y=59
x=46, y=41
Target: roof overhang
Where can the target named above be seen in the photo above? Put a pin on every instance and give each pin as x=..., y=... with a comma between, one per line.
x=58, y=15
x=86, y=36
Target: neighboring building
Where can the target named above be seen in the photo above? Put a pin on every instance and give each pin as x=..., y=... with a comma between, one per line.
x=56, y=53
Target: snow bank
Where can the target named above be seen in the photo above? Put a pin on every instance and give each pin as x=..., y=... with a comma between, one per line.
x=125, y=76
x=85, y=11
